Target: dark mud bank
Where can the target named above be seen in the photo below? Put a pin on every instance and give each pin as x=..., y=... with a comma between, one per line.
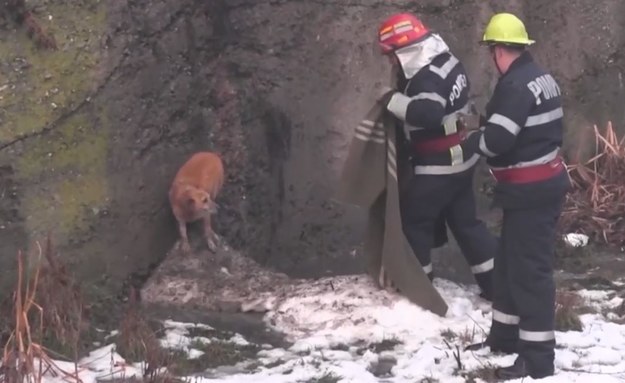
x=275, y=87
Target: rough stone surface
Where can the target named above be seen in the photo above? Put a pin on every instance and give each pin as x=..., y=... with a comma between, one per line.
x=222, y=282
x=91, y=135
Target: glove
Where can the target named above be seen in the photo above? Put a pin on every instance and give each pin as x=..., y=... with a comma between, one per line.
x=461, y=123
x=471, y=141
x=468, y=133
x=483, y=120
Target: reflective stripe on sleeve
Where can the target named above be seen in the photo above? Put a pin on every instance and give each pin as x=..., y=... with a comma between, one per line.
x=505, y=122
x=544, y=118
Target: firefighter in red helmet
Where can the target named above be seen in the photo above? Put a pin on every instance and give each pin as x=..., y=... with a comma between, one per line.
x=433, y=92
x=401, y=30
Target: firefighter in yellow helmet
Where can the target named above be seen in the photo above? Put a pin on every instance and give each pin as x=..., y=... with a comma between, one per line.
x=521, y=135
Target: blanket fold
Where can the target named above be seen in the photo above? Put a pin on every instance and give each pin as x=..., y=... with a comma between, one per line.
x=371, y=179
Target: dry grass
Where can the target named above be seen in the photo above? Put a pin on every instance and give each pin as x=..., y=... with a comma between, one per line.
x=47, y=304
x=449, y=334
x=596, y=205
x=138, y=342
x=568, y=308
x=466, y=337
x=429, y=380
x=486, y=373
x=24, y=359
x=387, y=344
x=60, y=298
x=328, y=377
x=620, y=310
x=615, y=314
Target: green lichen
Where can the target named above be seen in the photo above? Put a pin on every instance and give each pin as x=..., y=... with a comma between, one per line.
x=65, y=169
x=70, y=165
x=73, y=146
x=43, y=84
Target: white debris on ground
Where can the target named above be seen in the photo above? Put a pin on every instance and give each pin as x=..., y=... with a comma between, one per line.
x=576, y=239
x=177, y=337
x=336, y=322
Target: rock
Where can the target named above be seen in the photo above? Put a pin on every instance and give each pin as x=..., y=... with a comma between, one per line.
x=198, y=280
x=383, y=366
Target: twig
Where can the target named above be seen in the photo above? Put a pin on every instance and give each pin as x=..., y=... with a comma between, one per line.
x=596, y=204
x=456, y=354
x=580, y=371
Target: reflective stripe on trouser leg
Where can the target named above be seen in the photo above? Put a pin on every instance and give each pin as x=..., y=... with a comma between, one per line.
x=483, y=267
x=531, y=257
x=504, y=318
x=504, y=330
x=536, y=336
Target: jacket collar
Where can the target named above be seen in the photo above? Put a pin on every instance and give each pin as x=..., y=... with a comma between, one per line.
x=414, y=57
x=523, y=59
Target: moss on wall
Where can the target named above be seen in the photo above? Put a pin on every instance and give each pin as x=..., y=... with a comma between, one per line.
x=71, y=165
x=66, y=167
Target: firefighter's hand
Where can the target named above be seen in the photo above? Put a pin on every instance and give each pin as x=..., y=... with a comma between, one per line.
x=384, y=95
x=467, y=133
x=482, y=120
x=470, y=141
x=464, y=133
x=384, y=90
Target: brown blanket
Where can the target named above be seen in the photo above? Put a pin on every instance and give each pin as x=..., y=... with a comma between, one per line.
x=370, y=180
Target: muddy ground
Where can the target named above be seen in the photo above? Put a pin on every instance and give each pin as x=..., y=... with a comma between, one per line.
x=92, y=134
x=214, y=288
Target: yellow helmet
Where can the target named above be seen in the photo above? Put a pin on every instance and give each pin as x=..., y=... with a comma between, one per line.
x=506, y=28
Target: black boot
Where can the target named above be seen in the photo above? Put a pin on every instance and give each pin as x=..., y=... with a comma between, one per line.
x=516, y=371
x=519, y=370
x=486, y=296
x=494, y=347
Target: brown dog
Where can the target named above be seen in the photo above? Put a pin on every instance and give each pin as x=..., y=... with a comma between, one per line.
x=192, y=195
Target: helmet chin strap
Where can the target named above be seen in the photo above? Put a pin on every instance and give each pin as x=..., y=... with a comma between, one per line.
x=395, y=68
x=397, y=76
x=496, y=63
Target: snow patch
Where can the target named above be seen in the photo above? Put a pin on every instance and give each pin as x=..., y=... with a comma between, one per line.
x=345, y=326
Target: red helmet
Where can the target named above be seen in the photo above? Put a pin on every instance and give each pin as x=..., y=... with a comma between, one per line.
x=400, y=30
